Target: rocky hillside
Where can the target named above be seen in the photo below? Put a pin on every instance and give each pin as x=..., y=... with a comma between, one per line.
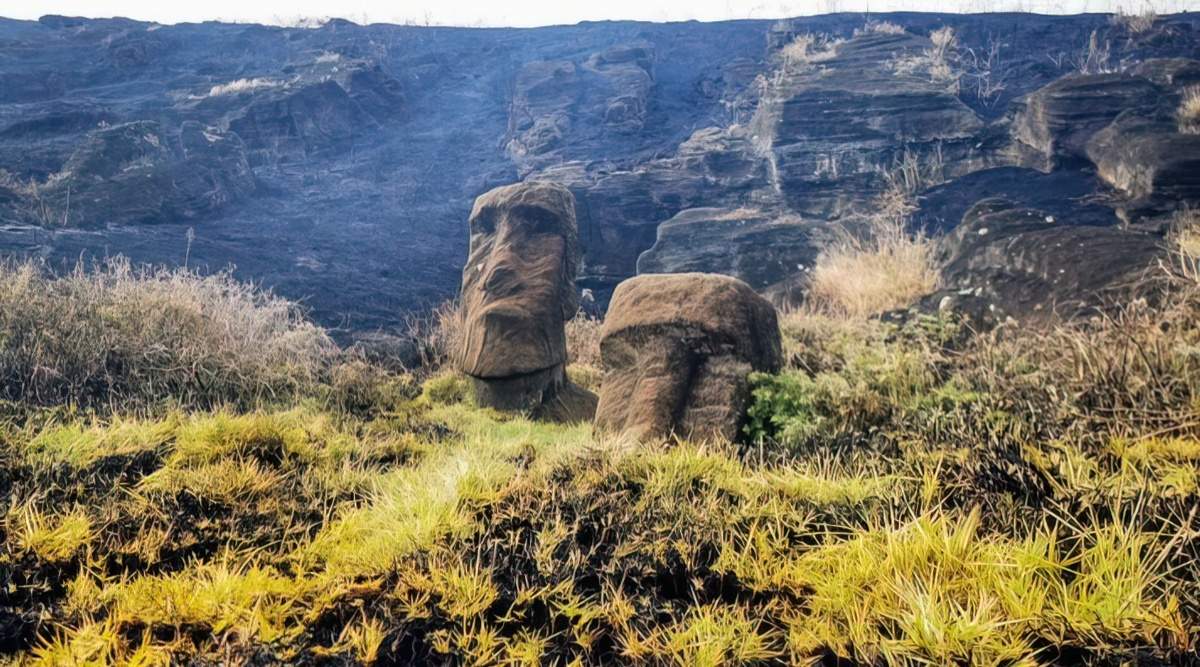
x=339, y=164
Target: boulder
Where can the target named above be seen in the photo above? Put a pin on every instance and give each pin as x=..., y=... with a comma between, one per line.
x=677, y=351
x=518, y=291
x=1147, y=160
x=1030, y=265
x=761, y=248
x=1055, y=122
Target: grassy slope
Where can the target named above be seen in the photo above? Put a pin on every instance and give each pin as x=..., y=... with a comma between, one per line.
x=910, y=499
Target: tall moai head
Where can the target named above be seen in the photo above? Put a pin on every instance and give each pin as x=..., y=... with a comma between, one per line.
x=518, y=292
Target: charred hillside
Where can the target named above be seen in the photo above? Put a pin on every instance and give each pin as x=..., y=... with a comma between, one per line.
x=338, y=164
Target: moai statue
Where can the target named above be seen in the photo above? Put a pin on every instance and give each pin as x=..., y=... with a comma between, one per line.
x=518, y=291
x=677, y=352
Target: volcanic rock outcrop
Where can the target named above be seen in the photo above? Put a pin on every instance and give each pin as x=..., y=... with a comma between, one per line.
x=1056, y=121
x=1026, y=263
x=760, y=248
x=677, y=351
x=335, y=164
x=518, y=291
x=139, y=173
x=1149, y=162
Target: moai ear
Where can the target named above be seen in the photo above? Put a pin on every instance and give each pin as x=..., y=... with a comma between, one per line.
x=570, y=294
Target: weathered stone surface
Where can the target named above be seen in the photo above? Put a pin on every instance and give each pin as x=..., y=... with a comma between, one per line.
x=760, y=248
x=620, y=210
x=560, y=104
x=1149, y=162
x=1055, y=122
x=1031, y=265
x=137, y=173
x=1175, y=73
x=833, y=128
x=518, y=291
x=677, y=350
x=298, y=121
x=212, y=171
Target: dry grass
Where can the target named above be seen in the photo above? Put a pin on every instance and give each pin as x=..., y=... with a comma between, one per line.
x=805, y=51
x=1136, y=22
x=880, y=27
x=1185, y=232
x=940, y=62
x=858, y=277
x=885, y=266
x=984, y=71
x=120, y=335
x=1025, y=497
x=1094, y=57
x=583, y=340
x=907, y=496
x=1189, y=111
x=439, y=334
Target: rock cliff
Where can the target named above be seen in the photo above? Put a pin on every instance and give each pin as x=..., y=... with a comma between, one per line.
x=336, y=164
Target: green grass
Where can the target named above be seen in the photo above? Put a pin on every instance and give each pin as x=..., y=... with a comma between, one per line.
x=907, y=495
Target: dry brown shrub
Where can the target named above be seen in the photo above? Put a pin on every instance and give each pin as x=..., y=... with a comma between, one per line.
x=124, y=336
x=439, y=335
x=583, y=340
x=1189, y=111
x=884, y=269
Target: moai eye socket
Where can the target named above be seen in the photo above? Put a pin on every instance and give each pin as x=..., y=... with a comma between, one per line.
x=484, y=222
x=536, y=220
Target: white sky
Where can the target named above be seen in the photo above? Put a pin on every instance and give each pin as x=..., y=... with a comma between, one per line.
x=538, y=12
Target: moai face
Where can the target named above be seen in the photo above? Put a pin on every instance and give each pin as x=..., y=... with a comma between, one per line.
x=677, y=352
x=648, y=378
x=519, y=281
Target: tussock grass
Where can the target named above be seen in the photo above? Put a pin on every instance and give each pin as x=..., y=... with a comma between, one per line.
x=1189, y=111
x=52, y=538
x=880, y=27
x=941, y=62
x=1135, y=21
x=807, y=51
x=132, y=336
x=889, y=268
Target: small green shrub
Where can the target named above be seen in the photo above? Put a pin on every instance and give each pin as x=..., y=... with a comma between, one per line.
x=846, y=386
x=446, y=388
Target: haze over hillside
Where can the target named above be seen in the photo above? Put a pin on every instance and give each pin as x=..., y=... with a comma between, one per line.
x=339, y=164
x=535, y=13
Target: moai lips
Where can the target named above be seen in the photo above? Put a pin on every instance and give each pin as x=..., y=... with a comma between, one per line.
x=518, y=291
x=677, y=350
